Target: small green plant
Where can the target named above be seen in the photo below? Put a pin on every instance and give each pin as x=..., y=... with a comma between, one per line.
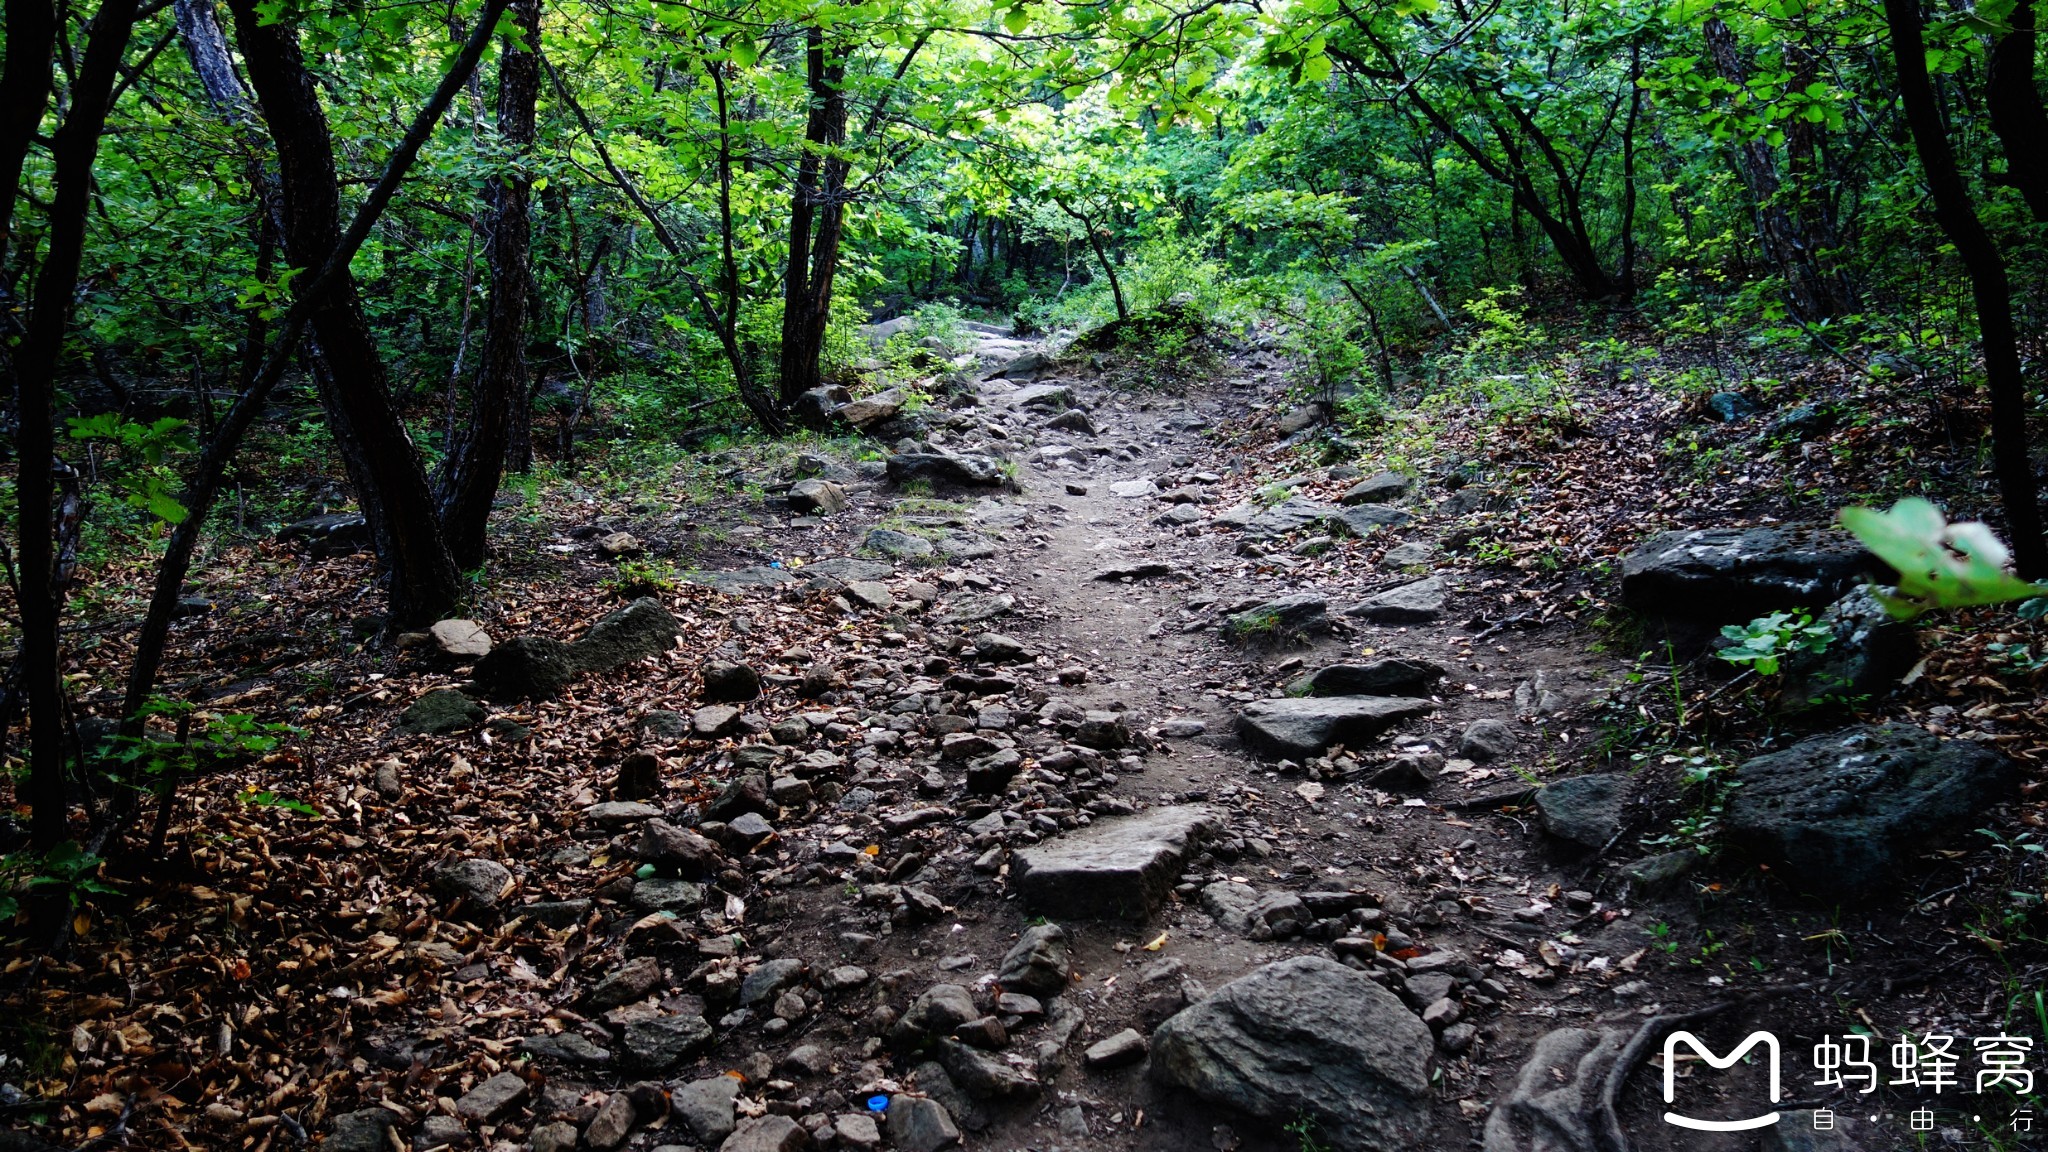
x=1940, y=565
x=1303, y=1129
x=67, y=868
x=1765, y=641
x=637, y=578
x=148, y=487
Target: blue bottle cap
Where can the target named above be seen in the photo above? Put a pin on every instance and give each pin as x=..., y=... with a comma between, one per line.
x=878, y=1103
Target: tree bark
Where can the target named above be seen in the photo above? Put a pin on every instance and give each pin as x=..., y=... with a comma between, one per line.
x=476, y=454
x=1781, y=236
x=24, y=94
x=73, y=149
x=383, y=464
x=2016, y=114
x=202, y=483
x=1989, y=287
x=816, y=221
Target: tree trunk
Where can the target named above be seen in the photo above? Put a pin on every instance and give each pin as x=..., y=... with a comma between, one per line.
x=73, y=149
x=1988, y=285
x=24, y=94
x=476, y=454
x=383, y=465
x=2016, y=113
x=1784, y=242
x=816, y=221
x=202, y=483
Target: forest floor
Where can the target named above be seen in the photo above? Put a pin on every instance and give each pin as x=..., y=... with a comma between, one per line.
x=284, y=974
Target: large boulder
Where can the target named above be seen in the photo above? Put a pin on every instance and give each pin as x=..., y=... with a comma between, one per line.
x=1300, y=728
x=335, y=534
x=1736, y=574
x=1114, y=869
x=871, y=410
x=525, y=668
x=1846, y=813
x=1868, y=651
x=966, y=468
x=817, y=497
x=641, y=629
x=1306, y=1036
x=813, y=409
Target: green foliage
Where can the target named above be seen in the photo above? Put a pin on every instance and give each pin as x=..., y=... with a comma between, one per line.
x=148, y=482
x=1766, y=640
x=66, y=869
x=203, y=740
x=1940, y=565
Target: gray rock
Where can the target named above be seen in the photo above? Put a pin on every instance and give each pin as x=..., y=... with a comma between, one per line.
x=1133, y=489
x=566, y=1048
x=1846, y=813
x=492, y=1098
x=1379, y=489
x=1408, y=604
x=857, y=1130
x=1732, y=407
x=705, y=1107
x=1072, y=420
x=1290, y=515
x=1038, y=963
x=1124, y=1048
x=1414, y=554
x=1304, y=727
x=735, y=581
x=771, y=978
x=667, y=894
x=1585, y=810
x=1409, y=772
x=766, y=1134
x=958, y=546
x=817, y=497
x=870, y=410
x=525, y=668
x=1056, y=397
x=1114, y=869
x=613, y=1122
x=659, y=1043
x=1306, y=1036
x=614, y=813
x=630, y=981
x=984, y=1075
x=813, y=409
x=557, y=913
x=936, y=1012
x=1362, y=520
x=665, y=723
x=941, y=468
x=1390, y=676
x=441, y=1132
x=728, y=683
x=364, y=1130
x=1801, y=422
x=439, y=712
x=1658, y=873
x=901, y=545
x=1868, y=651
x=460, y=639
x=1487, y=740
x=335, y=534
x=998, y=648
x=1554, y=1101
x=641, y=629
x=1283, y=617
x=921, y=1124
x=476, y=881
x=1731, y=575
x=1024, y=367
x=1231, y=905
x=679, y=850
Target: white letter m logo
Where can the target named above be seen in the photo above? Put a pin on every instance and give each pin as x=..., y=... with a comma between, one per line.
x=1671, y=1043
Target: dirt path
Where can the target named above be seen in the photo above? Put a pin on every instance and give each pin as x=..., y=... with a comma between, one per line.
x=1153, y=649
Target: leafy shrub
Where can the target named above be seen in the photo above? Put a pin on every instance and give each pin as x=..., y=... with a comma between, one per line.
x=1940, y=565
x=1766, y=640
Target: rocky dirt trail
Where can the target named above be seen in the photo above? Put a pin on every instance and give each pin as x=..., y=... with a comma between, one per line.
x=1081, y=779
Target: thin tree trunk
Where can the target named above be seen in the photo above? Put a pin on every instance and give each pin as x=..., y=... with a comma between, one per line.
x=24, y=94
x=73, y=149
x=202, y=483
x=476, y=453
x=2016, y=114
x=1627, y=275
x=814, y=222
x=1988, y=285
x=383, y=464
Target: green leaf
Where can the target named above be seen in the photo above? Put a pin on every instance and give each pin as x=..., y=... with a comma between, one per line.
x=1940, y=565
x=1016, y=20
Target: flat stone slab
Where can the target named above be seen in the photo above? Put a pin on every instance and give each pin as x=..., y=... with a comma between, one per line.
x=741, y=579
x=1585, y=810
x=1306, y=1036
x=1290, y=515
x=1114, y=869
x=1736, y=574
x=1300, y=728
x=1408, y=604
x=848, y=569
x=1848, y=812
